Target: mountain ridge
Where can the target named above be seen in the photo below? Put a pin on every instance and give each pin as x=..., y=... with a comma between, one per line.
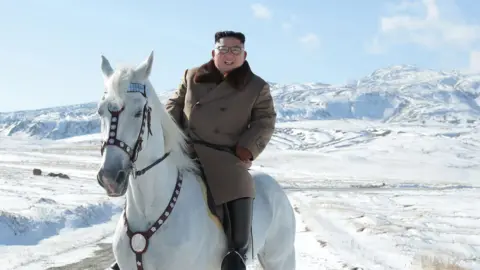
x=399, y=93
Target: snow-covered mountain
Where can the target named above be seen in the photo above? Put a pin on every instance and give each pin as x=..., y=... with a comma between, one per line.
x=395, y=94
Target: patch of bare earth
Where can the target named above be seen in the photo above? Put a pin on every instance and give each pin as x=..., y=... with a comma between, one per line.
x=102, y=259
x=429, y=263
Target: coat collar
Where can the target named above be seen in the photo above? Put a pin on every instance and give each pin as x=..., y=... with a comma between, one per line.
x=237, y=78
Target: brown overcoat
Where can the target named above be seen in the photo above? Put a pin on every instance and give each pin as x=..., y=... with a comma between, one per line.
x=237, y=110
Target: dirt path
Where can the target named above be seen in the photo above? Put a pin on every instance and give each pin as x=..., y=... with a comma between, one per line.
x=102, y=259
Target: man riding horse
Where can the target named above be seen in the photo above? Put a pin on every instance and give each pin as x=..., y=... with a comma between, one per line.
x=228, y=114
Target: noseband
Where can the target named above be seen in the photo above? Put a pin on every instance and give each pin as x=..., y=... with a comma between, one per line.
x=132, y=152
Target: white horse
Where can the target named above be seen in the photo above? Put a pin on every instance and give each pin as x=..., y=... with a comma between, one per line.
x=143, y=156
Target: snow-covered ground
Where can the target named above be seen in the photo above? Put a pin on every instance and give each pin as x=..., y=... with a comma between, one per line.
x=368, y=195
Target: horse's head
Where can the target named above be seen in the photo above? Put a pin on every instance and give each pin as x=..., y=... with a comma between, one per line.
x=125, y=113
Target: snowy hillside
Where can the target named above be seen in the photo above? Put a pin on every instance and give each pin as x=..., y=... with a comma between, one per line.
x=367, y=195
x=52, y=123
x=394, y=94
x=402, y=94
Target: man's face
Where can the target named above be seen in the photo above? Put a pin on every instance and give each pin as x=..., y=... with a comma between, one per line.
x=228, y=54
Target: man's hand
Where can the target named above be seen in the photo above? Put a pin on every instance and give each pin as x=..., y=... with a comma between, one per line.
x=243, y=154
x=247, y=164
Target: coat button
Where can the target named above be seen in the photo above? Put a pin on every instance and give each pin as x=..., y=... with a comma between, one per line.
x=223, y=109
x=216, y=130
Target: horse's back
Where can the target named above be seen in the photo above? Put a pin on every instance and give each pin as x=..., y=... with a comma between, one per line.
x=274, y=225
x=268, y=189
x=271, y=201
x=272, y=209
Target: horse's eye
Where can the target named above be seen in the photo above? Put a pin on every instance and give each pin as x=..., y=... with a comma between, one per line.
x=138, y=114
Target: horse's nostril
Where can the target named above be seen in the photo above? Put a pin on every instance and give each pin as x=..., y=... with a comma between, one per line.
x=120, y=176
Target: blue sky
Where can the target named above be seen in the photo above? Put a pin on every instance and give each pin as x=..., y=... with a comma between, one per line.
x=50, y=50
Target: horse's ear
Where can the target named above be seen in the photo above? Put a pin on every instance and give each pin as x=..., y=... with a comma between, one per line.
x=106, y=67
x=144, y=70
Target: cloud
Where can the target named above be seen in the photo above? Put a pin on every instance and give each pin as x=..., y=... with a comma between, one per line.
x=261, y=11
x=425, y=23
x=310, y=41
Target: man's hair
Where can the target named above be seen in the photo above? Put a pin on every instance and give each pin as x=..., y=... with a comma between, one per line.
x=223, y=34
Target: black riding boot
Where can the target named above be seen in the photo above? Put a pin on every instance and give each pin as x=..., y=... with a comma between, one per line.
x=240, y=212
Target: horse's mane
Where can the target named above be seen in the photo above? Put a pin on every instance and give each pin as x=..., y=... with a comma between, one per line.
x=119, y=82
x=174, y=138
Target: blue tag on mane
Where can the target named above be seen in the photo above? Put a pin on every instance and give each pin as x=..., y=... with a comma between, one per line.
x=137, y=87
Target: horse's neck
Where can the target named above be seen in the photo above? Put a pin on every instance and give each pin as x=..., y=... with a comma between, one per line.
x=149, y=194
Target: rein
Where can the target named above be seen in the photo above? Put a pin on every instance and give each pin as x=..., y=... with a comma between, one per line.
x=139, y=241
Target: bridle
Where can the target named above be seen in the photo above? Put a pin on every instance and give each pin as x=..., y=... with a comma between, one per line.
x=139, y=241
x=114, y=119
x=132, y=152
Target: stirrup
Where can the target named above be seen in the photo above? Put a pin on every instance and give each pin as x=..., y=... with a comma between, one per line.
x=244, y=257
x=234, y=260
x=114, y=266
